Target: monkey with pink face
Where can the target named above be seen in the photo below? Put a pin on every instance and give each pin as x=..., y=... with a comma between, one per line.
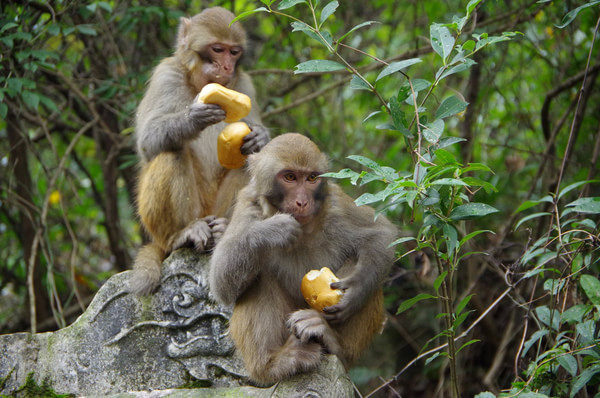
x=184, y=194
x=287, y=221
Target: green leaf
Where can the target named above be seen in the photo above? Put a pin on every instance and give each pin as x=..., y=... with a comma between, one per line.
x=442, y=40
x=575, y=314
x=399, y=118
x=369, y=198
x=534, y=339
x=573, y=186
x=476, y=167
x=8, y=26
x=531, y=217
x=401, y=240
x=439, y=280
x=86, y=30
x=591, y=287
x=469, y=45
x=582, y=380
x=444, y=157
x=361, y=25
x=463, y=303
x=474, y=234
x=433, y=131
x=318, y=66
x=460, y=319
x=548, y=317
x=472, y=210
x=31, y=99
x=373, y=165
x=471, y=6
x=397, y=66
x=586, y=331
x=461, y=67
x=449, y=141
x=485, y=394
x=449, y=181
x=248, y=13
x=358, y=84
x=570, y=16
x=586, y=205
x=569, y=363
x=449, y=107
x=328, y=10
x=530, y=203
x=3, y=110
x=476, y=182
x=468, y=343
x=406, y=304
x=285, y=4
x=344, y=173
x=553, y=286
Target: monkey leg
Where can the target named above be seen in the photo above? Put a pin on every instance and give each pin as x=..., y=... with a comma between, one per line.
x=356, y=333
x=172, y=194
x=258, y=328
x=171, y=199
x=310, y=326
x=146, y=269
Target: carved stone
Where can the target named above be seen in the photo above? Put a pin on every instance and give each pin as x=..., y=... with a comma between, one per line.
x=124, y=343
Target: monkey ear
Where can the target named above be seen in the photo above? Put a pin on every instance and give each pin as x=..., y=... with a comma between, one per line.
x=183, y=33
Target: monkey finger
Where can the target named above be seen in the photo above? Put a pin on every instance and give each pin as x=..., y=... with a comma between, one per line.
x=209, y=219
x=256, y=139
x=206, y=113
x=338, y=285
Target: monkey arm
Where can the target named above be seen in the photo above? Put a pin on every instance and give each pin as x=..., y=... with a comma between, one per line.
x=370, y=241
x=168, y=116
x=236, y=260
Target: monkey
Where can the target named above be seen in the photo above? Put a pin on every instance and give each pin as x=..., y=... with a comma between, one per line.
x=287, y=221
x=184, y=195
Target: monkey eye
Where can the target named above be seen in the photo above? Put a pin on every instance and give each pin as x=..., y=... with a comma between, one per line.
x=217, y=49
x=235, y=51
x=313, y=177
x=289, y=177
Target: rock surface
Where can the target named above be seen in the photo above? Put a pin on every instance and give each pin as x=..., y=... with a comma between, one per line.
x=129, y=346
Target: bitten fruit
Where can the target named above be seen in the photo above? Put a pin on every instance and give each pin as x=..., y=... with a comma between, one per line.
x=229, y=145
x=316, y=290
x=236, y=105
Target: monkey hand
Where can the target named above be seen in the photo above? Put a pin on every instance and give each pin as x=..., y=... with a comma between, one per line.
x=310, y=326
x=197, y=234
x=279, y=230
x=217, y=228
x=203, y=115
x=256, y=139
x=350, y=302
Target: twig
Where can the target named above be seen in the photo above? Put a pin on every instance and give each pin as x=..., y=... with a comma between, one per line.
x=441, y=347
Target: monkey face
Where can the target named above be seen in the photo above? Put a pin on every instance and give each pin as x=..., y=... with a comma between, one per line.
x=220, y=61
x=298, y=192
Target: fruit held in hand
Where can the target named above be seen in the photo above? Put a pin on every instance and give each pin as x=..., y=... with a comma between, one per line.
x=317, y=291
x=229, y=145
x=236, y=105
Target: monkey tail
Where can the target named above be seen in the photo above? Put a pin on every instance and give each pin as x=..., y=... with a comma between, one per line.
x=146, y=270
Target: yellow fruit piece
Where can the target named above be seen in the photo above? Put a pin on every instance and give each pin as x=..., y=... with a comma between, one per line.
x=236, y=105
x=229, y=145
x=316, y=289
x=54, y=198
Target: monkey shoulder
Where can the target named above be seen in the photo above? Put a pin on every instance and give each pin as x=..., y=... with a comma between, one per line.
x=355, y=220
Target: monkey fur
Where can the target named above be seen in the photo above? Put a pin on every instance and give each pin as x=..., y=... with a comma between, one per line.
x=184, y=194
x=269, y=246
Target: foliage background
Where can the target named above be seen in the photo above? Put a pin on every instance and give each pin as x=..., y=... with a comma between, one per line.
x=73, y=73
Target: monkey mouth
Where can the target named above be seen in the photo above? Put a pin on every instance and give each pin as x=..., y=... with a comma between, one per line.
x=303, y=220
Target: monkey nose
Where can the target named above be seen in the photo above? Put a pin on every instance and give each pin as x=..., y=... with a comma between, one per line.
x=301, y=204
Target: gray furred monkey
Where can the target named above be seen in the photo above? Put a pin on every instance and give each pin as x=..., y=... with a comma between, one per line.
x=288, y=221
